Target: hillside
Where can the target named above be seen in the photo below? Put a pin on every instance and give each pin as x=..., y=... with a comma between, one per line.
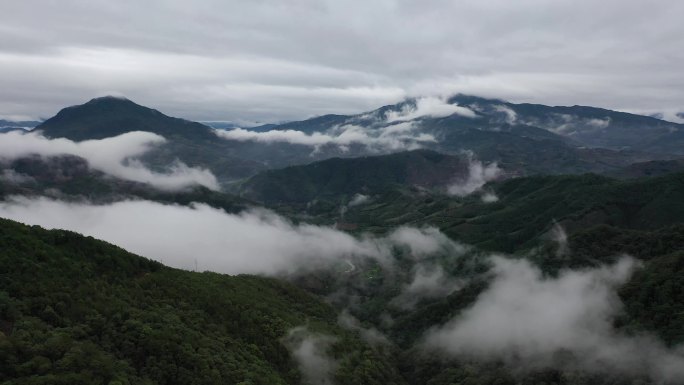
x=525, y=210
x=651, y=168
x=336, y=179
x=74, y=310
x=587, y=126
x=523, y=138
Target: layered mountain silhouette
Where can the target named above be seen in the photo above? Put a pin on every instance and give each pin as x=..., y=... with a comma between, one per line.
x=523, y=138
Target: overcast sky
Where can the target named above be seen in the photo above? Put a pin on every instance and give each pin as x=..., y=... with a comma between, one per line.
x=261, y=60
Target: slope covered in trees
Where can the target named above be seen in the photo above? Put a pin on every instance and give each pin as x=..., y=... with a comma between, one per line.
x=75, y=310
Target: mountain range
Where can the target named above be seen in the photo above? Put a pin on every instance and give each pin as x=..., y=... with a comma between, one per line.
x=398, y=228
x=523, y=138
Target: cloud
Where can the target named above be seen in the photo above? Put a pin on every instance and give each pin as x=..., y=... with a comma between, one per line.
x=358, y=199
x=568, y=124
x=528, y=319
x=287, y=136
x=253, y=242
x=489, y=197
x=309, y=350
x=401, y=136
x=12, y=177
x=428, y=282
x=671, y=115
x=421, y=243
x=560, y=236
x=431, y=107
x=511, y=115
x=115, y=156
x=478, y=175
x=599, y=123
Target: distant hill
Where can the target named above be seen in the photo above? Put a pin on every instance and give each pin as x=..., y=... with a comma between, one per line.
x=343, y=178
x=8, y=125
x=528, y=207
x=193, y=143
x=111, y=116
x=650, y=168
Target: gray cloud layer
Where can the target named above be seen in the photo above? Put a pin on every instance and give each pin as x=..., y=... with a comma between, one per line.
x=263, y=60
x=530, y=320
x=257, y=241
x=116, y=156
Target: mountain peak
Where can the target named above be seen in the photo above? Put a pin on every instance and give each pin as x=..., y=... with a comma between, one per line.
x=109, y=116
x=109, y=98
x=465, y=99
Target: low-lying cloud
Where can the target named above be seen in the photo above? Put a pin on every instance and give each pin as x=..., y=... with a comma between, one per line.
x=356, y=200
x=309, y=350
x=527, y=319
x=255, y=241
x=510, y=115
x=560, y=237
x=478, y=175
x=116, y=156
x=428, y=282
x=400, y=136
x=421, y=243
x=430, y=107
x=12, y=177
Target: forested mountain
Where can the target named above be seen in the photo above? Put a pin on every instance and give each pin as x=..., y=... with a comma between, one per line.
x=74, y=310
x=338, y=178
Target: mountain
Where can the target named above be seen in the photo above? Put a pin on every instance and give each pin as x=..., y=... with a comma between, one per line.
x=111, y=116
x=339, y=178
x=523, y=138
x=8, y=125
x=75, y=310
x=651, y=168
x=193, y=143
x=588, y=126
